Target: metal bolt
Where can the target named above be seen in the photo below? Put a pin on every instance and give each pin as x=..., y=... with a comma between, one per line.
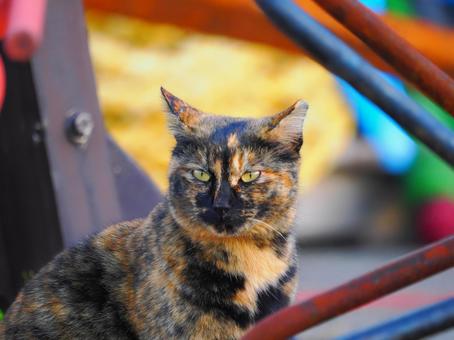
x=37, y=133
x=79, y=127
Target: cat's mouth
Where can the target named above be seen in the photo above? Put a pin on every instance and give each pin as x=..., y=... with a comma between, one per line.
x=229, y=224
x=226, y=229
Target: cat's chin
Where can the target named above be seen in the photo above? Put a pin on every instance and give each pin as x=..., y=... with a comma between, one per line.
x=227, y=230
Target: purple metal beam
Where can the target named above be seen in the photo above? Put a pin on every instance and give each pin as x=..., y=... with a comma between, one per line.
x=83, y=180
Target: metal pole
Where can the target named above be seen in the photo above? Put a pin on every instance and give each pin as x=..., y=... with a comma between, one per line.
x=337, y=57
x=393, y=276
x=415, y=325
x=395, y=50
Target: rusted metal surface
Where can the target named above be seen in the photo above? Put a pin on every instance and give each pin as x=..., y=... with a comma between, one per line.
x=415, y=325
x=242, y=19
x=395, y=50
x=402, y=272
x=340, y=59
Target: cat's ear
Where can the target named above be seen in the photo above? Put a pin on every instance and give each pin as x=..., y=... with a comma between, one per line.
x=286, y=127
x=182, y=118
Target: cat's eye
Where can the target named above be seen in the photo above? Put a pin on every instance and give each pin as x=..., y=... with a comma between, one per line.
x=250, y=176
x=201, y=175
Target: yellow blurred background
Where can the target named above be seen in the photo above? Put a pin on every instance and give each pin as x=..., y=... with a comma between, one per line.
x=132, y=59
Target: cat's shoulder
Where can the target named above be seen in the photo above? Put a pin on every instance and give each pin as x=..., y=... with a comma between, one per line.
x=121, y=229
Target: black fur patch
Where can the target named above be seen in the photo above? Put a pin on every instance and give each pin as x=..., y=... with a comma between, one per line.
x=186, y=147
x=269, y=301
x=177, y=186
x=86, y=284
x=288, y=275
x=228, y=220
x=273, y=298
x=279, y=243
x=220, y=135
x=211, y=288
x=281, y=154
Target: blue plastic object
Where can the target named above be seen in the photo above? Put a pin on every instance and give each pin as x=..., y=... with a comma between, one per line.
x=395, y=149
x=378, y=6
x=415, y=325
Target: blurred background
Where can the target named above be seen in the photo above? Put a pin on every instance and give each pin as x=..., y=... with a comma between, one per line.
x=363, y=179
x=369, y=192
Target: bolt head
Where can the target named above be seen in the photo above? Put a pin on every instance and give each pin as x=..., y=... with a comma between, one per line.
x=79, y=127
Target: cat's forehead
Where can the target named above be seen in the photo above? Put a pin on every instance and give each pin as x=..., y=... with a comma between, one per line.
x=240, y=143
x=220, y=129
x=224, y=137
x=232, y=146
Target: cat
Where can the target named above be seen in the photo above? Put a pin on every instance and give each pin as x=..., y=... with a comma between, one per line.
x=215, y=256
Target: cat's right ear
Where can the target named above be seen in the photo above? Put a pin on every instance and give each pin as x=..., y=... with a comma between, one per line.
x=287, y=126
x=183, y=119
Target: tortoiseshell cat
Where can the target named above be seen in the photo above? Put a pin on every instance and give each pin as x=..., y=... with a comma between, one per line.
x=208, y=262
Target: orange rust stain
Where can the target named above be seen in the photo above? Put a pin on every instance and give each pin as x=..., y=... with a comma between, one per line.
x=437, y=252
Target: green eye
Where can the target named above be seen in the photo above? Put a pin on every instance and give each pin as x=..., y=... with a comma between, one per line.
x=201, y=175
x=250, y=176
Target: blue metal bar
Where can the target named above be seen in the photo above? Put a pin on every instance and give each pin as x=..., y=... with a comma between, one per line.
x=341, y=60
x=415, y=325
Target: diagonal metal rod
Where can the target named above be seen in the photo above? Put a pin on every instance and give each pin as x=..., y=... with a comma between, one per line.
x=340, y=59
x=415, y=325
x=393, y=276
x=396, y=51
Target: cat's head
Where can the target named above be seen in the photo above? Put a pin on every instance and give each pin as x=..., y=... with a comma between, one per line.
x=234, y=176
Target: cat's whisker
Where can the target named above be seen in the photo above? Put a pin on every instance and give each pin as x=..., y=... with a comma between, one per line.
x=269, y=226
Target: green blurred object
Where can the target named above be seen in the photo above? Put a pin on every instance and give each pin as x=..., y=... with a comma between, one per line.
x=430, y=176
x=401, y=8
x=1, y=315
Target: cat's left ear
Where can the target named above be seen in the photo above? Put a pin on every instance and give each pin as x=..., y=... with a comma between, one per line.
x=183, y=118
x=286, y=127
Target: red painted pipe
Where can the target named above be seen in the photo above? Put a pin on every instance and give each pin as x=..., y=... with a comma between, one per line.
x=4, y=13
x=400, y=273
x=25, y=28
x=393, y=49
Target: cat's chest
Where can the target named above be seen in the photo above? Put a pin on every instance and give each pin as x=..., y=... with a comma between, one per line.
x=262, y=269
x=236, y=278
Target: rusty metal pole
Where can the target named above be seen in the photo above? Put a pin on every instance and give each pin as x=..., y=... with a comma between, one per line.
x=337, y=57
x=393, y=276
x=396, y=51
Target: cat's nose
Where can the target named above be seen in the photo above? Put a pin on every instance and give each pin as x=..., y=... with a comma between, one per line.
x=221, y=206
x=221, y=211
x=221, y=201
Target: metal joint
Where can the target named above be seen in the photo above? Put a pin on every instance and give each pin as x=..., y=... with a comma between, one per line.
x=79, y=127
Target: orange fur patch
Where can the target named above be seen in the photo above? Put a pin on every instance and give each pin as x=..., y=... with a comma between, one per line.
x=232, y=141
